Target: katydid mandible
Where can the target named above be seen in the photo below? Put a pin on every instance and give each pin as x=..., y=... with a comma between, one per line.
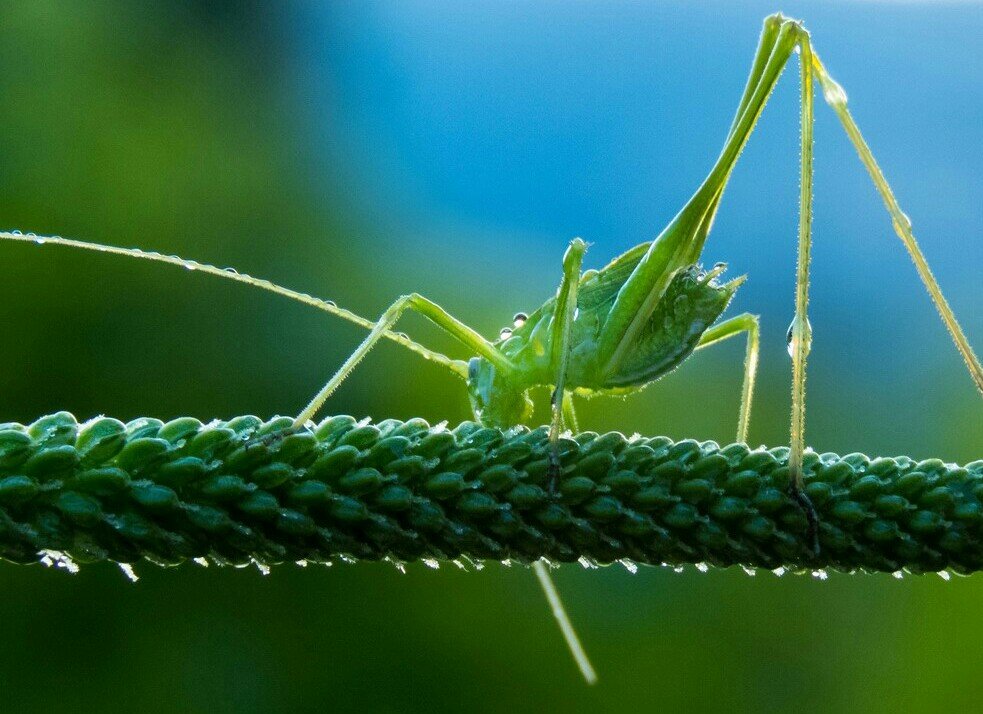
x=620, y=328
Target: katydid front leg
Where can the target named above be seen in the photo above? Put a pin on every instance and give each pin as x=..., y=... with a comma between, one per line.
x=433, y=312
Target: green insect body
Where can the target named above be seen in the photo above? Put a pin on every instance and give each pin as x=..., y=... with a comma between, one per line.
x=615, y=330
x=691, y=303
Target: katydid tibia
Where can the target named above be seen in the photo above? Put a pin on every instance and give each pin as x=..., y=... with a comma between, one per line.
x=620, y=328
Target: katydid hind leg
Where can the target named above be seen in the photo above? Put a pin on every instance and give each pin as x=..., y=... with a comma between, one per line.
x=836, y=98
x=800, y=332
x=681, y=242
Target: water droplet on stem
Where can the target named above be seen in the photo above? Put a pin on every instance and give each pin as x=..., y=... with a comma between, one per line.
x=833, y=93
x=793, y=340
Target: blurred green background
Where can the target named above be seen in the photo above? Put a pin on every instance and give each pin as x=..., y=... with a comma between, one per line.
x=361, y=150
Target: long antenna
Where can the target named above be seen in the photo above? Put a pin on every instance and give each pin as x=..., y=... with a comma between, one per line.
x=455, y=366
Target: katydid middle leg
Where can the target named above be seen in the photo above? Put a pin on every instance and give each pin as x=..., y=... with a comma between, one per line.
x=742, y=324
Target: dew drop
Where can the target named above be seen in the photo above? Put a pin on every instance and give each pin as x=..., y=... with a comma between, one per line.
x=39, y=241
x=703, y=567
x=820, y=574
x=431, y=563
x=833, y=93
x=301, y=563
x=16, y=233
x=505, y=333
x=519, y=319
x=719, y=266
x=57, y=559
x=779, y=571
x=944, y=574
x=898, y=574
x=750, y=571
x=129, y=572
x=261, y=567
x=678, y=569
x=629, y=565
x=792, y=344
x=904, y=225
x=331, y=303
x=587, y=563
x=203, y=562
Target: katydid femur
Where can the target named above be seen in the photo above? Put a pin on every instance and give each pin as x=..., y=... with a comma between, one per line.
x=616, y=330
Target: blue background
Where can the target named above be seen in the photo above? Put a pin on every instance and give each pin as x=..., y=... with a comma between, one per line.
x=363, y=150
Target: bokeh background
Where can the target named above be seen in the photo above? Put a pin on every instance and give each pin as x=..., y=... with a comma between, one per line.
x=362, y=150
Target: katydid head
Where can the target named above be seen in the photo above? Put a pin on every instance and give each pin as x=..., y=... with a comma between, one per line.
x=496, y=399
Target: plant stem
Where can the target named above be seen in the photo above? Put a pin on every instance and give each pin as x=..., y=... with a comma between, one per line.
x=247, y=490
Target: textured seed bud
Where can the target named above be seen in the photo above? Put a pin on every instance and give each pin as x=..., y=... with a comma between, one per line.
x=249, y=490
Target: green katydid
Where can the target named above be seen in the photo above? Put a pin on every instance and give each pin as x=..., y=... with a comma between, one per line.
x=620, y=328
